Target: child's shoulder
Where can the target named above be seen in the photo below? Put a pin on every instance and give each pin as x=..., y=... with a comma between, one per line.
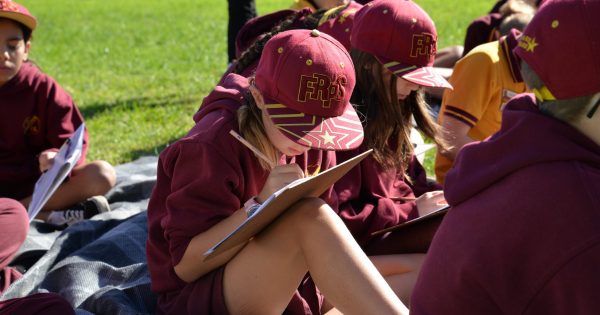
x=31, y=75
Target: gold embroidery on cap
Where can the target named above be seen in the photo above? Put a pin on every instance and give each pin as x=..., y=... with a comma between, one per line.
x=280, y=50
x=322, y=88
x=309, y=62
x=555, y=24
x=342, y=65
x=528, y=43
x=422, y=44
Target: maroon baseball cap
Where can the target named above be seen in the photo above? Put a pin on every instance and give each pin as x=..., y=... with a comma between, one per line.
x=16, y=12
x=402, y=37
x=306, y=78
x=562, y=45
x=340, y=26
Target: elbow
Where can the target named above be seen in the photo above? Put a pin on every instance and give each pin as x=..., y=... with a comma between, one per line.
x=184, y=274
x=448, y=152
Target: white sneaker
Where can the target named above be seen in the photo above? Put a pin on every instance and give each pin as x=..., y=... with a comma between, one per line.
x=81, y=211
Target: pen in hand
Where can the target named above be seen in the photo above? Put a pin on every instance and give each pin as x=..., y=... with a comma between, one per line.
x=252, y=148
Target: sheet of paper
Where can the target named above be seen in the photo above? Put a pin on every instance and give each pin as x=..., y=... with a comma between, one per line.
x=64, y=161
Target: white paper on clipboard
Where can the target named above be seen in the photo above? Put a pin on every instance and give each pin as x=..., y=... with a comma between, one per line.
x=64, y=161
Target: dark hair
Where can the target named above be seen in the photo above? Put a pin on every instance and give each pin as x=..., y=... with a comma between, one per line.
x=388, y=121
x=24, y=29
x=302, y=19
x=516, y=20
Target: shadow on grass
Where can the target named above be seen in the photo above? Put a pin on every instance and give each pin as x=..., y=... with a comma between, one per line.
x=91, y=110
x=156, y=150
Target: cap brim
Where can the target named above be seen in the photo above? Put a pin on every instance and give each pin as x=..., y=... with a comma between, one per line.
x=338, y=133
x=28, y=21
x=425, y=76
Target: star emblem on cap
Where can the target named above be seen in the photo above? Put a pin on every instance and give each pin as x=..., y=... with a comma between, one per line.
x=327, y=137
x=528, y=43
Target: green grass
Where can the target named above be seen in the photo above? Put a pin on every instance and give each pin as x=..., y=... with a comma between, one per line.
x=138, y=69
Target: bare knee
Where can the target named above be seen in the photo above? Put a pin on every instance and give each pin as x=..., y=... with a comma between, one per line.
x=307, y=214
x=101, y=176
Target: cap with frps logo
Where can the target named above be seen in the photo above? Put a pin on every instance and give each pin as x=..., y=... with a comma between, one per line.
x=306, y=78
x=16, y=12
x=402, y=37
x=562, y=45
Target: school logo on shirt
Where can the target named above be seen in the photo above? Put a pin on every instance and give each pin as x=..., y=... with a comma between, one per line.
x=31, y=125
x=320, y=87
x=422, y=44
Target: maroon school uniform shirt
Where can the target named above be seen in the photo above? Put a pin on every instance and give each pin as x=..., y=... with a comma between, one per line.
x=36, y=114
x=202, y=179
x=365, y=195
x=523, y=235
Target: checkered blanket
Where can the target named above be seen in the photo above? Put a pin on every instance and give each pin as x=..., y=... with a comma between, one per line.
x=98, y=265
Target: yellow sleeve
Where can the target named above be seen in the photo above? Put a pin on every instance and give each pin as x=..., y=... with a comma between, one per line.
x=473, y=80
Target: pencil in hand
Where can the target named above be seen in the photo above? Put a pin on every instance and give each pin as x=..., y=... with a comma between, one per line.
x=252, y=148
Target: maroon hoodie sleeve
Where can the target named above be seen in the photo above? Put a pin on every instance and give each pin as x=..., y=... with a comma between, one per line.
x=201, y=193
x=420, y=184
x=366, y=197
x=63, y=118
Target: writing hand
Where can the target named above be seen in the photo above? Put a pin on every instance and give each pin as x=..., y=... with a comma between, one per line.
x=280, y=176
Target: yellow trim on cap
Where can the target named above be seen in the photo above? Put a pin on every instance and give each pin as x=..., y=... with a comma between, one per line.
x=543, y=94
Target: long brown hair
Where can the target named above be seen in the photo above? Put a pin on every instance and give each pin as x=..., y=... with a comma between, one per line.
x=388, y=121
x=253, y=130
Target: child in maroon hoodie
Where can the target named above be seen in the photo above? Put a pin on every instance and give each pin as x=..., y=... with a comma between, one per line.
x=394, y=44
x=17, y=154
x=37, y=117
x=208, y=183
x=523, y=234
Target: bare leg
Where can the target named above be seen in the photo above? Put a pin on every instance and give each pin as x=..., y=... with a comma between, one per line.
x=90, y=179
x=308, y=237
x=400, y=272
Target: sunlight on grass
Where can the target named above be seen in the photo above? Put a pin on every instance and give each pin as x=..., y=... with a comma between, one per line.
x=138, y=70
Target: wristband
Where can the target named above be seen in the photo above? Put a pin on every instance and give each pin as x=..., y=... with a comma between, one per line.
x=251, y=206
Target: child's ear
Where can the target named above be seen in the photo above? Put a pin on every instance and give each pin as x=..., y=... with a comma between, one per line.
x=258, y=98
x=27, y=47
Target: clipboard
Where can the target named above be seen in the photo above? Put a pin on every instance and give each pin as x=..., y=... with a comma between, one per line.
x=277, y=203
x=439, y=212
x=49, y=181
x=413, y=236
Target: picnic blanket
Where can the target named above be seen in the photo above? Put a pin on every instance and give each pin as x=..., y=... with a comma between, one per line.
x=98, y=265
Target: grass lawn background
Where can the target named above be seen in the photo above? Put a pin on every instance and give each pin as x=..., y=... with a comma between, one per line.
x=138, y=69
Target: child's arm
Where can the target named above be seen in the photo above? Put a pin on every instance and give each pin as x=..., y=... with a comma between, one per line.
x=63, y=119
x=192, y=266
